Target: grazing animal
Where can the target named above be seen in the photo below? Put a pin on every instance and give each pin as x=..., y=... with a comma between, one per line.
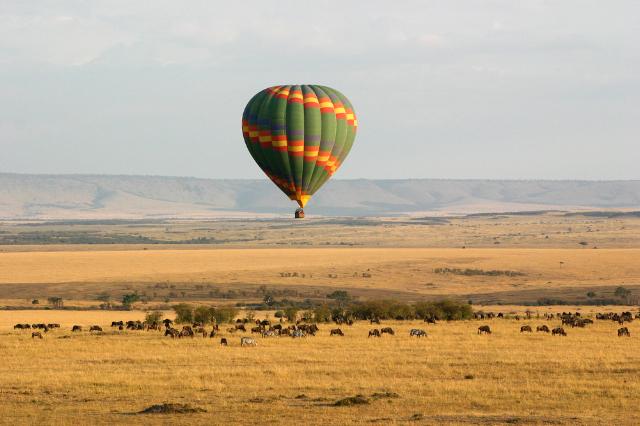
x=430, y=320
x=231, y=330
x=374, y=321
x=298, y=333
x=241, y=327
x=624, y=331
x=120, y=327
x=172, y=332
x=268, y=333
x=223, y=342
x=213, y=333
x=95, y=328
x=336, y=332
x=484, y=329
x=36, y=334
x=248, y=341
x=558, y=331
x=53, y=325
x=526, y=328
x=417, y=332
x=117, y=323
x=543, y=328
x=256, y=330
x=76, y=328
x=375, y=333
x=387, y=330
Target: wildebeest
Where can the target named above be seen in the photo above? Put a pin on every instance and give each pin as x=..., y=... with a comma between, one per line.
x=526, y=328
x=241, y=327
x=187, y=331
x=170, y=331
x=336, y=332
x=256, y=330
x=22, y=326
x=387, y=330
x=543, y=328
x=248, y=341
x=558, y=331
x=417, y=332
x=54, y=325
x=76, y=328
x=213, y=333
x=223, y=342
x=374, y=321
x=430, y=320
x=117, y=323
x=624, y=331
x=375, y=333
x=484, y=329
x=167, y=322
x=95, y=328
x=268, y=333
x=36, y=334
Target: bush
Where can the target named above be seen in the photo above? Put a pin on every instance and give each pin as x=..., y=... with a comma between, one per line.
x=155, y=316
x=130, y=299
x=322, y=314
x=184, y=313
x=226, y=314
x=291, y=313
x=340, y=295
x=203, y=314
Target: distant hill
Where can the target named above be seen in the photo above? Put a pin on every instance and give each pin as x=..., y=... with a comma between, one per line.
x=99, y=197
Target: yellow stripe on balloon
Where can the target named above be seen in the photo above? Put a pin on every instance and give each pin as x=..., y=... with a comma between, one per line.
x=279, y=143
x=265, y=138
x=296, y=148
x=311, y=153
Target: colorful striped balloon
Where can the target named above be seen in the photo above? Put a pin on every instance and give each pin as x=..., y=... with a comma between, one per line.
x=299, y=136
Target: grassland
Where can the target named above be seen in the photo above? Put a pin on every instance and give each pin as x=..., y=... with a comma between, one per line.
x=452, y=377
x=404, y=273
x=500, y=262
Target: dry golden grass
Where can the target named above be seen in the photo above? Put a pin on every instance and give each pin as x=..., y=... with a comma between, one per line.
x=454, y=376
x=395, y=272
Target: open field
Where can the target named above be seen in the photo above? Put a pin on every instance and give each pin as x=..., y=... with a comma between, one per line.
x=454, y=376
x=613, y=229
x=523, y=275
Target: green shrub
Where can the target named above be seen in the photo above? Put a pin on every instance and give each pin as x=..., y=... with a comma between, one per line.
x=184, y=313
x=154, y=316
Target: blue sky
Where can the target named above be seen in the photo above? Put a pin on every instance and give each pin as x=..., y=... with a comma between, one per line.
x=443, y=89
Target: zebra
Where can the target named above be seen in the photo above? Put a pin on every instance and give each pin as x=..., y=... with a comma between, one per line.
x=248, y=341
x=417, y=332
x=298, y=333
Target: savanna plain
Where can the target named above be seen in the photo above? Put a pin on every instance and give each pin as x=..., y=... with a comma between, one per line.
x=79, y=273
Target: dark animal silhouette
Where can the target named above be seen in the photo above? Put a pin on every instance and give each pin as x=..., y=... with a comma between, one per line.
x=484, y=329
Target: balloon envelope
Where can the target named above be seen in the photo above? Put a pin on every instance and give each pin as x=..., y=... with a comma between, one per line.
x=299, y=135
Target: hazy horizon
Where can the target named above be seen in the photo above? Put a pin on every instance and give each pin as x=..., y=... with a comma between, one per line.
x=493, y=90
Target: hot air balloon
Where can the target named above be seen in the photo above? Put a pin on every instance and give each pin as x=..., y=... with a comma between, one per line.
x=299, y=135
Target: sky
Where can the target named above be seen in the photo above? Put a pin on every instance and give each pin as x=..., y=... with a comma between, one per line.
x=493, y=89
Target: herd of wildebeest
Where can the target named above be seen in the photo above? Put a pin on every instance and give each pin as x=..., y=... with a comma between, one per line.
x=266, y=328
